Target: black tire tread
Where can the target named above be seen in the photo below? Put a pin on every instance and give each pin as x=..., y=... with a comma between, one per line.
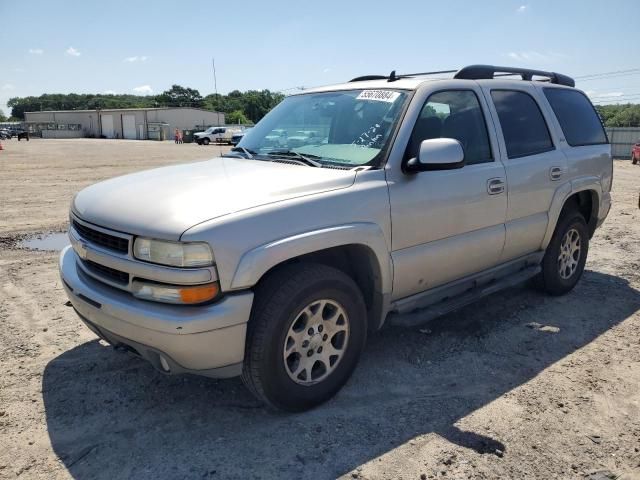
x=270, y=294
x=567, y=217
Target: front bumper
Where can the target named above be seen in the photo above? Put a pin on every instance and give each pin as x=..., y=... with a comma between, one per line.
x=204, y=340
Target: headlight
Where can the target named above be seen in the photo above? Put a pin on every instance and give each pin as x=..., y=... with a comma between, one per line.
x=174, y=254
x=180, y=294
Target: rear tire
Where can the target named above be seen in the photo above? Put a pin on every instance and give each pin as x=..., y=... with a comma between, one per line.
x=307, y=330
x=634, y=160
x=566, y=255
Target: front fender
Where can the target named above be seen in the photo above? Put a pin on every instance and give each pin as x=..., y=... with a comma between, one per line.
x=256, y=262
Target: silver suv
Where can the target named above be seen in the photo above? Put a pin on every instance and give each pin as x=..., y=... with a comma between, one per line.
x=388, y=198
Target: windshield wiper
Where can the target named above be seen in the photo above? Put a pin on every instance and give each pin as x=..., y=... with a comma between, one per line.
x=308, y=159
x=247, y=152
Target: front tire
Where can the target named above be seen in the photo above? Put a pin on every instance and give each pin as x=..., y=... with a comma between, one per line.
x=566, y=255
x=307, y=330
x=634, y=160
x=205, y=141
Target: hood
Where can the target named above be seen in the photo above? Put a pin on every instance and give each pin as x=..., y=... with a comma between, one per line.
x=164, y=202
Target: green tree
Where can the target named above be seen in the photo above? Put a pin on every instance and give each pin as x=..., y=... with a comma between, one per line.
x=178, y=96
x=3, y=117
x=620, y=115
x=236, y=117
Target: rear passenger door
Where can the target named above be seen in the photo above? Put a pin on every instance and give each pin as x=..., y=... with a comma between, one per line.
x=535, y=168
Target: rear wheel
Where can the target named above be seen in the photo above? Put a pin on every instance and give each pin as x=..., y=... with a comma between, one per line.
x=566, y=255
x=634, y=160
x=306, y=333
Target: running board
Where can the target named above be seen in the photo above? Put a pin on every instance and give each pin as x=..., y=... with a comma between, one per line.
x=447, y=305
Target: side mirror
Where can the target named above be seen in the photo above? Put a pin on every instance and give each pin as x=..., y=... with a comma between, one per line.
x=437, y=154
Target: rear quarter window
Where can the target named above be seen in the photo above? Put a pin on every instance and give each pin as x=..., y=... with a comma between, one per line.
x=578, y=119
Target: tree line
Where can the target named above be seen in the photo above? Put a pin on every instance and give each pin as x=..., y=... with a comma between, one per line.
x=239, y=107
x=620, y=115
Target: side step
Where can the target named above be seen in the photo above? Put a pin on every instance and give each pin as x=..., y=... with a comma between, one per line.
x=423, y=315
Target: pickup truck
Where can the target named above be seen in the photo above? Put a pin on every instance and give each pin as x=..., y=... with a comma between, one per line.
x=215, y=135
x=276, y=262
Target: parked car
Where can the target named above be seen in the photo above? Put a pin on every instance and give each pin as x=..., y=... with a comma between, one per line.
x=236, y=137
x=5, y=134
x=216, y=135
x=275, y=263
x=635, y=153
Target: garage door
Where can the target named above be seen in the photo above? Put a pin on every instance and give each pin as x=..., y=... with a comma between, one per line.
x=107, y=125
x=129, y=126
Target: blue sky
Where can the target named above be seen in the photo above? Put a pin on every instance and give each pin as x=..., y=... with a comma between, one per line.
x=145, y=47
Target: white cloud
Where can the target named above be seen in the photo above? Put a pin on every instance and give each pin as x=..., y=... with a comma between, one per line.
x=36, y=51
x=136, y=58
x=326, y=70
x=109, y=92
x=522, y=8
x=592, y=94
x=144, y=89
x=72, y=52
x=7, y=86
x=534, y=56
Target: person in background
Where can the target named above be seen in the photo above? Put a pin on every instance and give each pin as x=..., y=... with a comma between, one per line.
x=180, y=136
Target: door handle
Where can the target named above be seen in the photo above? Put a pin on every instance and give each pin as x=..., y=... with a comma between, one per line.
x=555, y=173
x=495, y=186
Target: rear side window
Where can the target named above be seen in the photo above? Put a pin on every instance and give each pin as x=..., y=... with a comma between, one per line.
x=523, y=126
x=578, y=119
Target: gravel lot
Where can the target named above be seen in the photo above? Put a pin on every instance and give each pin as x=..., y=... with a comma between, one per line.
x=520, y=385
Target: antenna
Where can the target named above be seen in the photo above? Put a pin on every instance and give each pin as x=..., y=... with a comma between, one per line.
x=215, y=89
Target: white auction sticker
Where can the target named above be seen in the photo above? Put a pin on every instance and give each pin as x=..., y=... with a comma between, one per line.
x=378, y=95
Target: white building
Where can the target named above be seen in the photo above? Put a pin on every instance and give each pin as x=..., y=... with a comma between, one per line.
x=128, y=123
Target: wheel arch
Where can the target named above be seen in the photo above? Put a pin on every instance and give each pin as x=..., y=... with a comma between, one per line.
x=359, y=250
x=583, y=196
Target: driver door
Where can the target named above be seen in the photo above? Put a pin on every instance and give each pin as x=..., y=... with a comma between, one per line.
x=448, y=224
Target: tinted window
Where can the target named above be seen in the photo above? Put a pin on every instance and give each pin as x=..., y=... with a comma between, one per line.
x=453, y=114
x=578, y=119
x=523, y=127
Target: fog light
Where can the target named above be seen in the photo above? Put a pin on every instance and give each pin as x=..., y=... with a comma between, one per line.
x=180, y=294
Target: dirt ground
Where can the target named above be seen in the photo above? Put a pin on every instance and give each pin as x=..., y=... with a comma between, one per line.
x=520, y=385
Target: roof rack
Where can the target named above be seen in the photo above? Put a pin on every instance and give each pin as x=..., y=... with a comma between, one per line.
x=480, y=72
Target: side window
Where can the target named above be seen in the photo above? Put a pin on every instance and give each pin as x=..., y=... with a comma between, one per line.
x=578, y=119
x=453, y=114
x=523, y=126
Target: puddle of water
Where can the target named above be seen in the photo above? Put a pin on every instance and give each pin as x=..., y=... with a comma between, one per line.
x=49, y=242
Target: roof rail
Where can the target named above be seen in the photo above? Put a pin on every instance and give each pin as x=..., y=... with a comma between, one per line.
x=392, y=77
x=479, y=72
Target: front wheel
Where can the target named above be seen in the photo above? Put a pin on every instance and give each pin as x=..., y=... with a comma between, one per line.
x=306, y=333
x=205, y=141
x=634, y=160
x=566, y=255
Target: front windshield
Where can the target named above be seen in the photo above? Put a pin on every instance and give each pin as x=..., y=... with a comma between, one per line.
x=347, y=128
